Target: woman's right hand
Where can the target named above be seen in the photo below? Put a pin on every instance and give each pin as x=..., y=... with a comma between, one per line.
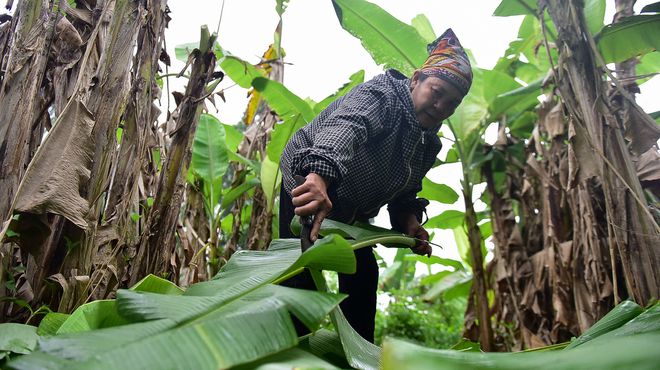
x=311, y=199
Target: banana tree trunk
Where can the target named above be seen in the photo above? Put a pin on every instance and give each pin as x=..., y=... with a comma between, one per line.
x=633, y=234
x=157, y=241
x=20, y=93
x=478, y=294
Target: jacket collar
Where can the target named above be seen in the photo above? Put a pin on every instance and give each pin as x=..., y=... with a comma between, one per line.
x=401, y=84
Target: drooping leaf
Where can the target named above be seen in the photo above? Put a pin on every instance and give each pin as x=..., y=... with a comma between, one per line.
x=291, y=109
x=326, y=344
x=360, y=353
x=389, y=41
x=508, y=97
x=237, y=69
x=646, y=322
x=631, y=37
x=462, y=244
x=55, y=176
x=439, y=192
x=424, y=28
x=17, y=338
x=449, y=219
x=236, y=192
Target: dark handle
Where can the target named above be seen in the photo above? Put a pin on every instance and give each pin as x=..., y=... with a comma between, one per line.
x=306, y=223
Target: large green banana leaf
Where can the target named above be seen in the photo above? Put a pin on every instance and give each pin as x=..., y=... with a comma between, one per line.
x=632, y=37
x=621, y=343
x=633, y=352
x=389, y=41
x=236, y=318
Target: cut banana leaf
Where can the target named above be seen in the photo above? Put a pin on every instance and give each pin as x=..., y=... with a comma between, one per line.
x=646, y=322
x=621, y=314
x=235, y=319
x=632, y=352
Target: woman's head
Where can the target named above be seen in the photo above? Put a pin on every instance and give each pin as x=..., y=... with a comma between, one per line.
x=434, y=99
x=442, y=82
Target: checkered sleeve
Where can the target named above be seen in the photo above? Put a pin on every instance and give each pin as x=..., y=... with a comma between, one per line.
x=406, y=204
x=361, y=116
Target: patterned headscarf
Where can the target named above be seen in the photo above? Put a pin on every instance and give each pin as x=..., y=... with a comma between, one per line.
x=447, y=60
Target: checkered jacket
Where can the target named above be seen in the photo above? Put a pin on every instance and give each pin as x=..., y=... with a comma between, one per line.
x=369, y=145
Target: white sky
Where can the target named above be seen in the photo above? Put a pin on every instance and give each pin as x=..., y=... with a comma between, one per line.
x=323, y=55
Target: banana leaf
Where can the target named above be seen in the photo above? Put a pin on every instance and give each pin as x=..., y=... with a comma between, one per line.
x=17, y=338
x=630, y=38
x=631, y=352
x=621, y=314
x=389, y=41
x=237, y=318
x=209, y=157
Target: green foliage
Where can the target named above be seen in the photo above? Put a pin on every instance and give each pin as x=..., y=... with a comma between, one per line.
x=631, y=345
x=621, y=314
x=449, y=219
x=515, y=7
x=389, y=41
x=648, y=64
x=438, y=192
x=236, y=318
x=210, y=159
x=633, y=36
x=354, y=80
x=17, y=339
x=408, y=316
x=424, y=27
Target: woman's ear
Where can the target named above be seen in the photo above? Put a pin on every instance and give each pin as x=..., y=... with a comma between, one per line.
x=414, y=80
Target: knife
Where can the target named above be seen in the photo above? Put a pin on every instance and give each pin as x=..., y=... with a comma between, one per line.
x=306, y=223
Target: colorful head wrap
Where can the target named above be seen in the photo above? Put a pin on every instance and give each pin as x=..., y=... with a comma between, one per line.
x=447, y=60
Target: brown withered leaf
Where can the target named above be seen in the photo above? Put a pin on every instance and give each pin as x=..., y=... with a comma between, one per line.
x=54, y=177
x=648, y=166
x=551, y=119
x=642, y=131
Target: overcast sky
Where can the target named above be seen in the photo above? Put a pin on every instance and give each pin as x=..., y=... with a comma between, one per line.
x=323, y=55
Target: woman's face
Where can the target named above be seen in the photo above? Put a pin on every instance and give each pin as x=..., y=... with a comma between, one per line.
x=434, y=100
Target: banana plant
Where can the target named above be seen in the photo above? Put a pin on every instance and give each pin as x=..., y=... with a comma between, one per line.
x=221, y=324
